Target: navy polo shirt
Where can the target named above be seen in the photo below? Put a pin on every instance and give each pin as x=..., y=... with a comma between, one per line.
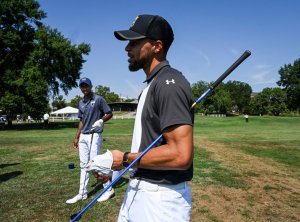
x=91, y=110
x=167, y=103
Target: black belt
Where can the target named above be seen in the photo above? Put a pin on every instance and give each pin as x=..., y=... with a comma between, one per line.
x=88, y=133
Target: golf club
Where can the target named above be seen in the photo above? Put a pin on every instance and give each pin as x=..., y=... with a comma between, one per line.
x=244, y=56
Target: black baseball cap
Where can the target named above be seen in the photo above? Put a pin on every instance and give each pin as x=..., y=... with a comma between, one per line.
x=148, y=26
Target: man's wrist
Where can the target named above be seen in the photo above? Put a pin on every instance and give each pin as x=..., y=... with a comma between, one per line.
x=125, y=162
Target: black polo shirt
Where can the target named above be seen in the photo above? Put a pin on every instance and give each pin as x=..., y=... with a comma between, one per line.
x=167, y=103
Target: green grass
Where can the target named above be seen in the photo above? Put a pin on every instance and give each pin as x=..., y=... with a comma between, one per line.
x=276, y=138
x=210, y=172
x=36, y=181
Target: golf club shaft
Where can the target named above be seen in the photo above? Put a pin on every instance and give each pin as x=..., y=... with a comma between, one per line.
x=245, y=55
x=115, y=180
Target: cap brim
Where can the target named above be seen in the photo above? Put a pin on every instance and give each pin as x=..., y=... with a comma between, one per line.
x=85, y=83
x=128, y=35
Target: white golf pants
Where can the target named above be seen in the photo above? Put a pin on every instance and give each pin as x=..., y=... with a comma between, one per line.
x=150, y=202
x=87, y=152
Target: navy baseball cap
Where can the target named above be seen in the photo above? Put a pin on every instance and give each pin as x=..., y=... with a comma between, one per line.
x=85, y=80
x=148, y=26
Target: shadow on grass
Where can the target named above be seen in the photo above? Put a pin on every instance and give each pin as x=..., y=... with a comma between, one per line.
x=8, y=164
x=51, y=126
x=7, y=176
x=97, y=186
x=40, y=125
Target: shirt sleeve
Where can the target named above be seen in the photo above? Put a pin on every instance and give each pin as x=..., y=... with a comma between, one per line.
x=79, y=111
x=104, y=106
x=173, y=101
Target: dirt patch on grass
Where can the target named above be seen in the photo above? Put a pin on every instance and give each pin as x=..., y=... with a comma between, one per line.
x=273, y=193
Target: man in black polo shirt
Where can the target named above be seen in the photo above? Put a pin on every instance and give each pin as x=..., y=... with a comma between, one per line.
x=158, y=189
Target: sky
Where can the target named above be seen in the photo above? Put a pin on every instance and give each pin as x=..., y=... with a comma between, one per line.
x=209, y=35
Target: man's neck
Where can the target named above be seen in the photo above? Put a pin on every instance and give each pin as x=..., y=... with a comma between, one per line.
x=88, y=97
x=153, y=64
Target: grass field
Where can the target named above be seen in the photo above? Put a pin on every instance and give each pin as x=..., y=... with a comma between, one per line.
x=242, y=171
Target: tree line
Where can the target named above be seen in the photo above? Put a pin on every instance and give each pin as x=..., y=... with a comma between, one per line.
x=235, y=96
x=38, y=63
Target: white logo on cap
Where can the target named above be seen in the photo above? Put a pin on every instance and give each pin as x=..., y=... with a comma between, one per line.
x=136, y=18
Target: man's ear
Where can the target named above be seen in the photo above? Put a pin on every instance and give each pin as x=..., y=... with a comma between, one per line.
x=158, y=46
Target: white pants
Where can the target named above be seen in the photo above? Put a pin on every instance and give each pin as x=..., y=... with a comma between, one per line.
x=150, y=202
x=87, y=152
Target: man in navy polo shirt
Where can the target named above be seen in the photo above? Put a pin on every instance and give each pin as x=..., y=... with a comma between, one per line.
x=93, y=112
x=158, y=189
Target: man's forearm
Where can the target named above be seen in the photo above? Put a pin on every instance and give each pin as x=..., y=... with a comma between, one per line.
x=77, y=135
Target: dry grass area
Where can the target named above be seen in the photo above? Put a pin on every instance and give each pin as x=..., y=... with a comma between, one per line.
x=273, y=192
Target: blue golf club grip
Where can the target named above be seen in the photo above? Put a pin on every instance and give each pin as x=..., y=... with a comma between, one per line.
x=245, y=55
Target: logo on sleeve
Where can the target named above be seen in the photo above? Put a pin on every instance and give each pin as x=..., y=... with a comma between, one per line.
x=170, y=81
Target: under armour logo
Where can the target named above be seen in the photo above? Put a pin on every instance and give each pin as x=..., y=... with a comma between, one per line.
x=170, y=81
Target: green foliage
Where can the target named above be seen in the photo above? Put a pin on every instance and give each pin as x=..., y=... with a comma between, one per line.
x=75, y=101
x=225, y=98
x=105, y=92
x=58, y=60
x=198, y=89
x=269, y=101
x=235, y=95
x=220, y=99
x=35, y=61
x=290, y=80
x=240, y=94
x=59, y=102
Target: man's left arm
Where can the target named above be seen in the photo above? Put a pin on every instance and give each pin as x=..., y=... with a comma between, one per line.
x=107, y=117
x=176, y=154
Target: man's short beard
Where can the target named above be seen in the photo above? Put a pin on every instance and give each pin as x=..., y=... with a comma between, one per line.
x=134, y=67
x=139, y=64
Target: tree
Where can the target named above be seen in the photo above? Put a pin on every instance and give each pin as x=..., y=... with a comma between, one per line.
x=269, y=101
x=240, y=94
x=75, y=101
x=290, y=80
x=278, y=100
x=104, y=91
x=221, y=100
x=59, y=102
x=218, y=101
x=198, y=89
x=35, y=61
